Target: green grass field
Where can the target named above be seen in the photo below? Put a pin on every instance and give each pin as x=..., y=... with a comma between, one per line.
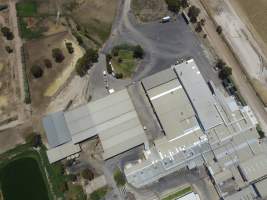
x=28, y=33
x=22, y=179
x=124, y=63
x=26, y=8
x=178, y=194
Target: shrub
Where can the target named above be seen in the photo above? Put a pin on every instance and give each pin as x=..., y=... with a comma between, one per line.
x=108, y=59
x=138, y=52
x=193, y=13
x=48, y=63
x=99, y=194
x=119, y=75
x=184, y=3
x=225, y=72
x=260, y=131
x=85, y=62
x=119, y=178
x=87, y=174
x=69, y=47
x=7, y=33
x=79, y=39
x=57, y=55
x=220, y=64
x=8, y=49
x=219, y=29
x=37, y=71
x=198, y=28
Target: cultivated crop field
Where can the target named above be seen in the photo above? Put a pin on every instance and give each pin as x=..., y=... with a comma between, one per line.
x=256, y=11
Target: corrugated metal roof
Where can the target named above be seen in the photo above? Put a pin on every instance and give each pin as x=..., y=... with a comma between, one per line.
x=96, y=117
x=198, y=93
x=56, y=129
x=158, y=79
x=112, y=118
x=255, y=167
x=63, y=151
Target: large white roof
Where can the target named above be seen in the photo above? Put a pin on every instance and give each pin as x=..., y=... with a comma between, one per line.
x=198, y=93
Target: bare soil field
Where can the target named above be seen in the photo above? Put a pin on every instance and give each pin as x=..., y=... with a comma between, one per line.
x=149, y=10
x=8, y=100
x=94, y=17
x=254, y=13
x=53, y=79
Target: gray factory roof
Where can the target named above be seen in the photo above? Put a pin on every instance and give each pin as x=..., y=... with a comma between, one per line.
x=172, y=107
x=198, y=93
x=159, y=78
x=112, y=118
x=246, y=193
x=101, y=116
x=62, y=151
x=261, y=187
x=254, y=168
x=56, y=129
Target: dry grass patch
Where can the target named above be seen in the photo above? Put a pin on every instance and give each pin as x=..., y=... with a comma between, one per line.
x=149, y=10
x=43, y=88
x=95, y=17
x=261, y=90
x=256, y=11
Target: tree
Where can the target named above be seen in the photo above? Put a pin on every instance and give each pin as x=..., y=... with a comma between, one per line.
x=119, y=178
x=173, y=5
x=37, y=71
x=260, y=131
x=92, y=55
x=138, y=52
x=219, y=30
x=47, y=63
x=85, y=62
x=202, y=22
x=118, y=75
x=220, y=64
x=88, y=174
x=225, y=72
x=57, y=55
x=9, y=49
x=184, y=3
x=7, y=33
x=198, y=28
x=69, y=47
x=193, y=13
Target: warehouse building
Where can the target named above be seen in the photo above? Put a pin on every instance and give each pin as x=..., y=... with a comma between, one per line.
x=113, y=119
x=201, y=126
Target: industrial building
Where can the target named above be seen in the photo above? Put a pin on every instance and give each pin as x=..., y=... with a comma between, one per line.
x=113, y=119
x=202, y=126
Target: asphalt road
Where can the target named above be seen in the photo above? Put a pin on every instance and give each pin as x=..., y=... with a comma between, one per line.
x=164, y=43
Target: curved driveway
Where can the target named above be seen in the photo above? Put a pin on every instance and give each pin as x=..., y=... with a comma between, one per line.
x=163, y=43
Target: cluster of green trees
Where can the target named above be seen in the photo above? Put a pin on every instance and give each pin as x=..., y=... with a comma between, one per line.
x=138, y=51
x=175, y=5
x=193, y=13
x=37, y=70
x=7, y=33
x=86, y=61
